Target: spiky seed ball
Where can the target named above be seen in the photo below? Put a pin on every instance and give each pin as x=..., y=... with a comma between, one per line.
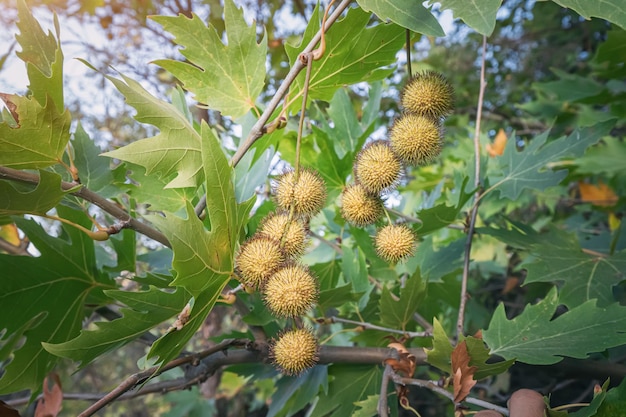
x=377, y=167
x=359, y=207
x=428, y=94
x=307, y=195
x=290, y=291
x=258, y=258
x=295, y=351
x=416, y=139
x=395, y=242
x=291, y=234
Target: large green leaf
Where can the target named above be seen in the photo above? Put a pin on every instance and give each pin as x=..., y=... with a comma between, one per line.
x=607, y=158
x=439, y=355
x=203, y=260
x=52, y=287
x=584, y=276
x=227, y=77
x=40, y=138
x=349, y=384
x=43, y=57
x=406, y=13
x=39, y=200
x=515, y=171
x=397, y=314
x=152, y=190
x=441, y=215
x=534, y=337
x=611, y=10
x=94, y=170
x=144, y=310
x=480, y=16
x=176, y=149
x=354, y=53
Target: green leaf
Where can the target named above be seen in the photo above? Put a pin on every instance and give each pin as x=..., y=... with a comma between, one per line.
x=480, y=16
x=144, y=310
x=607, y=158
x=349, y=384
x=433, y=264
x=406, y=13
x=354, y=53
x=515, y=171
x=585, y=276
x=534, y=337
x=336, y=297
x=439, y=355
x=226, y=77
x=33, y=287
x=442, y=215
x=368, y=406
x=46, y=195
x=176, y=149
x=570, y=87
x=40, y=138
x=611, y=10
x=614, y=402
x=354, y=268
x=94, y=170
x=43, y=57
x=397, y=314
x=152, y=190
x=479, y=355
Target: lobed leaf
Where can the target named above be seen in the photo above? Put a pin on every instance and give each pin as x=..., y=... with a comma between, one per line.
x=406, y=13
x=480, y=16
x=611, y=10
x=354, y=53
x=535, y=338
x=397, y=314
x=39, y=139
x=530, y=168
x=176, y=149
x=46, y=195
x=226, y=77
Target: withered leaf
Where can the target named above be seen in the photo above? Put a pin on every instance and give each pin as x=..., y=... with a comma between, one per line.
x=50, y=404
x=462, y=373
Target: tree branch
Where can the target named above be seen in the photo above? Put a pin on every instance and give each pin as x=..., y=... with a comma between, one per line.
x=472, y=221
x=88, y=195
x=259, y=128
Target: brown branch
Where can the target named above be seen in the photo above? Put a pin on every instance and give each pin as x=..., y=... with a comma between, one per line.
x=474, y=213
x=12, y=249
x=258, y=130
x=88, y=195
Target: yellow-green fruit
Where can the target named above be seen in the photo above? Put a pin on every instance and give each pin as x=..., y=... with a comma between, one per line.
x=395, y=242
x=291, y=291
x=428, y=94
x=291, y=234
x=377, y=167
x=257, y=260
x=295, y=351
x=415, y=139
x=307, y=194
x=359, y=207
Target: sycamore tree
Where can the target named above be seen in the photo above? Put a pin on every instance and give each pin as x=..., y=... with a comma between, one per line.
x=370, y=229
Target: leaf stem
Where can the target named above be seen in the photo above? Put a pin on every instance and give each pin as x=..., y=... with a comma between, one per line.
x=474, y=212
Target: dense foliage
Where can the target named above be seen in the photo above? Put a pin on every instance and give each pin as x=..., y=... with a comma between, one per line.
x=520, y=256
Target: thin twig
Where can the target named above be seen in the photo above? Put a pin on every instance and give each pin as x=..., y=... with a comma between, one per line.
x=88, y=195
x=12, y=249
x=383, y=408
x=146, y=375
x=431, y=385
x=369, y=326
x=408, y=53
x=472, y=221
x=259, y=128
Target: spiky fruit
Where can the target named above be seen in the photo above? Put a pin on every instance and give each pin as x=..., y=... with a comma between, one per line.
x=290, y=291
x=395, y=242
x=359, y=207
x=377, y=167
x=415, y=139
x=291, y=234
x=257, y=260
x=307, y=194
x=295, y=351
x=428, y=94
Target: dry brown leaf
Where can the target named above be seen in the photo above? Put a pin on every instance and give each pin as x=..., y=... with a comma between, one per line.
x=182, y=319
x=50, y=404
x=462, y=373
x=599, y=195
x=406, y=362
x=510, y=284
x=497, y=147
x=8, y=411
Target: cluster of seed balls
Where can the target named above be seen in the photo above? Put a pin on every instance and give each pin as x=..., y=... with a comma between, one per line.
x=268, y=262
x=414, y=139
